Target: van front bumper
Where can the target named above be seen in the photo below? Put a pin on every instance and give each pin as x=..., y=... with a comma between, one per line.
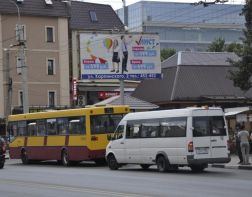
x=191, y=160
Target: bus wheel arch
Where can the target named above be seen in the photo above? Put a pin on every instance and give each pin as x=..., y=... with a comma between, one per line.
x=112, y=162
x=65, y=157
x=162, y=162
x=24, y=156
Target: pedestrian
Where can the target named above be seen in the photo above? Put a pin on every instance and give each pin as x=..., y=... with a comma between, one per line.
x=237, y=143
x=124, y=49
x=116, y=57
x=244, y=143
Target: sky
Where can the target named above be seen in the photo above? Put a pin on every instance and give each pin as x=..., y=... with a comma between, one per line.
x=116, y=4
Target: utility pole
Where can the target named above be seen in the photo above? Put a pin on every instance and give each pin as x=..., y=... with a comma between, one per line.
x=9, y=83
x=121, y=80
x=21, y=54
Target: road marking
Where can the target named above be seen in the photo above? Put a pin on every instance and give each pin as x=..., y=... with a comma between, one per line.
x=69, y=188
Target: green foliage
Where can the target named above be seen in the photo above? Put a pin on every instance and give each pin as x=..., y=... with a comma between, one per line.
x=218, y=45
x=166, y=53
x=242, y=74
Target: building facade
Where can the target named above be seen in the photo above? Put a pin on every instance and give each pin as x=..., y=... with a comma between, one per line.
x=45, y=35
x=184, y=26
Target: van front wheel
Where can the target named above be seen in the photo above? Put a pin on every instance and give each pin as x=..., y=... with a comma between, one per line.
x=112, y=163
x=162, y=164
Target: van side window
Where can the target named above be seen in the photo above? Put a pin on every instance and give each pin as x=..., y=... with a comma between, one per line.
x=119, y=132
x=133, y=130
x=218, y=126
x=173, y=127
x=150, y=130
x=201, y=126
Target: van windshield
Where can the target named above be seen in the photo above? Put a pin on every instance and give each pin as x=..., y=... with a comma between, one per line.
x=208, y=126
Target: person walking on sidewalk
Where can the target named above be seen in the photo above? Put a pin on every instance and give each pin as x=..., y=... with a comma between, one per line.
x=244, y=143
x=237, y=143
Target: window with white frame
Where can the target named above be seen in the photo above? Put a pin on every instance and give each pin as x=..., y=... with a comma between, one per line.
x=51, y=66
x=20, y=32
x=50, y=37
x=51, y=98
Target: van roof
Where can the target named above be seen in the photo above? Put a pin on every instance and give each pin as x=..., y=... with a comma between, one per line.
x=171, y=113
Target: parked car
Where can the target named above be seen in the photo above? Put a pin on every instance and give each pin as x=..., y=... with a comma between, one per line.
x=2, y=152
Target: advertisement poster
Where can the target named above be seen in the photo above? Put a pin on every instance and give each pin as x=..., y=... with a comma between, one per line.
x=119, y=56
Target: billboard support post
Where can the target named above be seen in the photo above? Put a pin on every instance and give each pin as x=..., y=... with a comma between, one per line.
x=122, y=91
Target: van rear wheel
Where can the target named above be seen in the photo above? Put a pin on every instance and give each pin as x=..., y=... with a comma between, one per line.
x=112, y=163
x=162, y=164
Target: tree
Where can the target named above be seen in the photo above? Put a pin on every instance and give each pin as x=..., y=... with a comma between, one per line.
x=166, y=53
x=234, y=47
x=242, y=74
x=218, y=45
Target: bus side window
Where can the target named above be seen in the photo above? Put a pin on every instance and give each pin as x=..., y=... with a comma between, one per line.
x=62, y=126
x=41, y=126
x=77, y=125
x=12, y=130
x=32, y=128
x=51, y=125
x=22, y=128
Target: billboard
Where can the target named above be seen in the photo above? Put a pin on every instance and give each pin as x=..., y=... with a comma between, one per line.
x=119, y=56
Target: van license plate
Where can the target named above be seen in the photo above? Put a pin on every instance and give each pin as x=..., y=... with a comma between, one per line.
x=202, y=150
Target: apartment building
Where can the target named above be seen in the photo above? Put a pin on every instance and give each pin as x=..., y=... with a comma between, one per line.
x=45, y=35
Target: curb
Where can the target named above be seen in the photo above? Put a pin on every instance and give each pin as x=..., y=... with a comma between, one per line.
x=245, y=167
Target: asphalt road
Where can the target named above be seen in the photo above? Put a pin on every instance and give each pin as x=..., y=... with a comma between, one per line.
x=88, y=180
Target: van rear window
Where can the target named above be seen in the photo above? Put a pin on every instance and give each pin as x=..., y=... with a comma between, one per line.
x=208, y=126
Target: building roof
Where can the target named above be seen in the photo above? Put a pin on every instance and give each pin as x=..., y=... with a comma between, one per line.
x=34, y=8
x=193, y=76
x=107, y=19
x=134, y=103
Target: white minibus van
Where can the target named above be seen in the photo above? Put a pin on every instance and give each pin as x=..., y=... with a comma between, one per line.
x=170, y=139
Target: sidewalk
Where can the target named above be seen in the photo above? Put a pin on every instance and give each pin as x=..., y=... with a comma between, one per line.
x=233, y=164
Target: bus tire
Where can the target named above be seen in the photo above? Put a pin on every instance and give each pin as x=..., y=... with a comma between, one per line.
x=145, y=166
x=24, y=157
x=162, y=164
x=65, y=158
x=112, y=163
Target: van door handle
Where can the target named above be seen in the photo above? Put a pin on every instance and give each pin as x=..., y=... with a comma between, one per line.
x=214, y=140
x=121, y=142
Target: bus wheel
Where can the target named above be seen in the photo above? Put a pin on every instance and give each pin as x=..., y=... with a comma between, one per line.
x=162, y=164
x=65, y=158
x=112, y=163
x=24, y=157
x=198, y=168
x=145, y=166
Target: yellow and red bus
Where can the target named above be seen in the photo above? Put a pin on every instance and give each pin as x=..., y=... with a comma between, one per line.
x=68, y=136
